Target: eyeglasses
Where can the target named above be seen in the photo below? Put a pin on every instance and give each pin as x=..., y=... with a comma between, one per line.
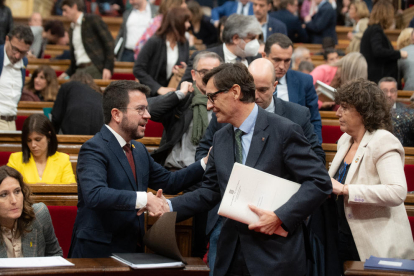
x=202, y=72
x=392, y=91
x=213, y=96
x=16, y=50
x=140, y=109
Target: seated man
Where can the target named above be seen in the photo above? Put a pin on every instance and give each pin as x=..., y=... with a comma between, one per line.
x=330, y=56
x=244, y=7
x=52, y=33
x=272, y=144
x=402, y=116
x=300, y=54
x=269, y=24
x=264, y=80
x=322, y=24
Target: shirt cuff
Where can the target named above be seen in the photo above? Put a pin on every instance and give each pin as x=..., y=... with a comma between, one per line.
x=141, y=200
x=203, y=164
x=180, y=95
x=169, y=204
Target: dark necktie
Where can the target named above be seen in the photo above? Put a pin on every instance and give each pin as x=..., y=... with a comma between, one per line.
x=128, y=152
x=275, y=93
x=239, y=147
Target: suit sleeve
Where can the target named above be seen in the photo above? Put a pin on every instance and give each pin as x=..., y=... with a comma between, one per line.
x=142, y=63
x=121, y=32
x=312, y=104
x=392, y=190
x=92, y=180
x=162, y=105
x=207, y=141
x=220, y=11
x=107, y=41
x=308, y=131
x=320, y=21
x=59, y=107
x=378, y=50
x=307, y=170
x=52, y=247
x=72, y=67
x=302, y=34
x=187, y=74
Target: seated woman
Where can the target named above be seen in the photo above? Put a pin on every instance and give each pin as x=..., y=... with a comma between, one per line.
x=201, y=26
x=406, y=66
x=164, y=52
x=368, y=178
x=358, y=11
x=39, y=161
x=43, y=86
x=26, y=228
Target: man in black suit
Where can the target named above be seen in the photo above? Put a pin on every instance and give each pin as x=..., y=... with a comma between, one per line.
x=274, y=145
x=240, y=43
x=264, y=80
x=322, y=24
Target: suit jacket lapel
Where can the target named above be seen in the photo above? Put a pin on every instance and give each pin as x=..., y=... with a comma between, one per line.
x=279, y=108
x=259, y=139
x=339, y=156
x=292, y=85
x=138, y=165
x=114, y=146
x=226, y=150
x=29, y=244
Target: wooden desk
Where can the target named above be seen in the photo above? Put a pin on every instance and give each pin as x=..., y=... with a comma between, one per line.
x=357, y=269
x=109, y=266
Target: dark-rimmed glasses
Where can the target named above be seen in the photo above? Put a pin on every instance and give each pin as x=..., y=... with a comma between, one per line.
x=202, y=72
x=213, y=96
x=16, y=50
x=140, y=109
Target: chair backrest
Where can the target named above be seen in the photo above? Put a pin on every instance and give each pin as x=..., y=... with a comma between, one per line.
x=19, y=122
x=331, y=134
x=409, y=176
x=63, y=219
x=154, y=129
x=4, y=157
x=123, y=76
x=411, y=220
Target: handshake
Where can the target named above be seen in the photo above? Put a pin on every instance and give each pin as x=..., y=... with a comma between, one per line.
x=156, y=206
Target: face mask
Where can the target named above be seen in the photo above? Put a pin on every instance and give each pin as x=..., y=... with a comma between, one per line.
x=251, y=49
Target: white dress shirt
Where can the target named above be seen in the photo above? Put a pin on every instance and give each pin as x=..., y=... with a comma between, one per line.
x=282, y=89
x=10, y=86
x=80, y=54
x=172, y=57
x=138, y=21
x=141, y=196
x=245, y=10
x=229, y=57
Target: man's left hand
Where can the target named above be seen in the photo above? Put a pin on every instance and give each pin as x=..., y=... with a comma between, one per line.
x=106, y=74
x=268, y=221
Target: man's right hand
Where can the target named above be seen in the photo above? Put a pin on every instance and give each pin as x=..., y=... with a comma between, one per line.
x=164, y=90
x=186, y=87
x=157, y=205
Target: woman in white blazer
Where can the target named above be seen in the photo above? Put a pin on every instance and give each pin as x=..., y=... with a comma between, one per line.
x=368, y=178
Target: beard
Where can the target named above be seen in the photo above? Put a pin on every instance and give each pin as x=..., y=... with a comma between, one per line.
x=131, y=128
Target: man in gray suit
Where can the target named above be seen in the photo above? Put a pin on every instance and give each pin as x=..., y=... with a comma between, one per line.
x=272, y=144
x=134, y=24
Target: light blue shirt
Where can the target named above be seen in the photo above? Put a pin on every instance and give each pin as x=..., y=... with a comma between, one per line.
x=248, y=128
x=264, y=28
x=321, y=3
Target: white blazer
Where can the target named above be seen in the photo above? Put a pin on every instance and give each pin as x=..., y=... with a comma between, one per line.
x=377, y=187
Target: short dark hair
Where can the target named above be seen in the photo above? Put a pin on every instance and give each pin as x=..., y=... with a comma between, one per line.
x=116, y=96
x=56, y=28
x=327, y=52
x=79, y=3
x=41, y=124
x=369, y=101
x=280, y=39
x=283, y=4
x=306, y=65
x=22, y=32
x=228, y=74
x=328, y=42
x=28, y=214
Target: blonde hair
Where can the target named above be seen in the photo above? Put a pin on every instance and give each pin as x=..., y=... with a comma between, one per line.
x=383, y=14
x=351, y=67
x=361, y=9
x=404, y=39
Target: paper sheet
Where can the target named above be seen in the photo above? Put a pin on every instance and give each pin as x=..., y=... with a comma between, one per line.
x=34, y=262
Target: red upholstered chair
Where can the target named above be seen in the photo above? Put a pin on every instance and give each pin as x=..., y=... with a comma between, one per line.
x=409, y=175
x=154, y=129
x=63, y=219
x=4, y=157
x=411, y=220
x=123, y=76
x=331, y=134
x=19, y=122
x=58, y=73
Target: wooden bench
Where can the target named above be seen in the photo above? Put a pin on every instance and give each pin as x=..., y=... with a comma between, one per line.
x=342, y=33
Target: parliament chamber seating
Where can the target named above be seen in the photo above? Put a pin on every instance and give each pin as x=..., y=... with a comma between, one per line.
x=19, y=121
x=331, y=134
x=4, y=157
x=409, y=176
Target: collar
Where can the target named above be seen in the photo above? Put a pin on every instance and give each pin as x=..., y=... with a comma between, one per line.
x=228, y=53
x=147, y=8
x=248, y=125
x=321, y=3
x=78, y=22
x=267, y=20
x=271, y=107
x=7, y=62
x=118, y=137
x=282, y=80
x=394, y=106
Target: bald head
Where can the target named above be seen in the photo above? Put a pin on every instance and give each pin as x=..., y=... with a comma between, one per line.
x=264, y=77
x=35, y=19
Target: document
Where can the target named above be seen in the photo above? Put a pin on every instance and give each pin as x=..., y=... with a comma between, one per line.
x=33, y=262
x=325, y=92
x=118, y=46
x=160, y=238
x=389, y=264
x=251, y=186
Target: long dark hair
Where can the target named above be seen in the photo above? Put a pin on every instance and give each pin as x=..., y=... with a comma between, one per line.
x=174, y=24
x=28, y=215
x=38, y=123
x=50, y=91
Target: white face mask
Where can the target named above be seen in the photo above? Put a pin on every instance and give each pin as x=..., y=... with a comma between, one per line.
x=251, y=48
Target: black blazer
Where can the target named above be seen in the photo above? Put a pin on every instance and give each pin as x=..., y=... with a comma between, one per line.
x=278, y=147
x=381, y=57
x=150, y=66
x=322, y=25
x=77, y=109
x=207, y=33
x=294, y=27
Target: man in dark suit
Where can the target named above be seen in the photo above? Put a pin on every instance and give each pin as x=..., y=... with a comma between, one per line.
x=264, y=80
x=322, y=24
x=243, y=7
x=239, y=31
x=113, y=174
x=293, y=86
x=269, y=24
x=272, y=144
x=134, y=23
x=91, y=43
x=287, y=14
